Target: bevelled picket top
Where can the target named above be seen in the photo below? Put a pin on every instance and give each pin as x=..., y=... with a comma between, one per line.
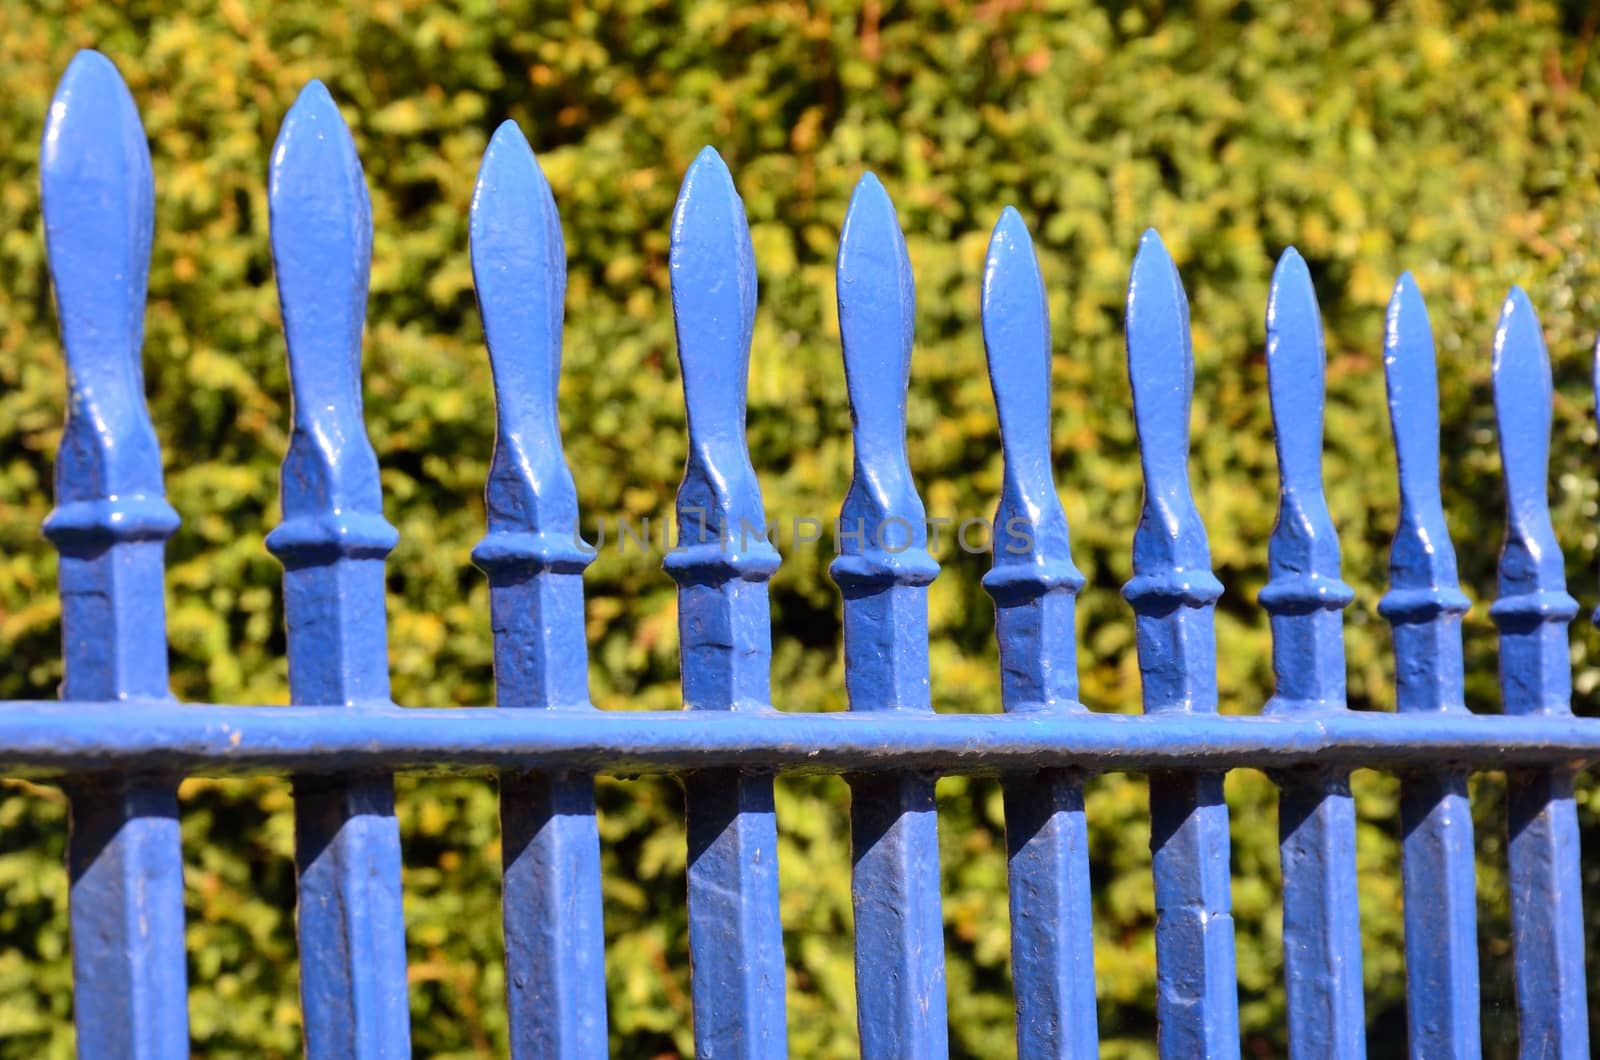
x=119, y=743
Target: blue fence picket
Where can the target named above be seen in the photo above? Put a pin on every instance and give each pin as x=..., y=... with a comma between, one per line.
x=722, y=563
x=883, y=571
x=1424, y=606
x=110, y=526
x=1304, y=596
x=534, y=557
x=1173, y=594
x=332, y=543
x=1034, y=583
x=1532, y=612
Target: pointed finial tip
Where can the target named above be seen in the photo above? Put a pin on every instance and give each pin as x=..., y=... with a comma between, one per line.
x=1009, y=230
x=508, y=164
x=88, y=62
x=1518, y=338
x=1405, y=294
x=1290, y=263
x=869, y=189
x=871, y=215
x=508, y=139
x=314, y=107
x=314, y=160
x=1151, y=241
x=708, y=204
x=510, y=146
x=92, y=96
x=97, y=91
x=1517, y=317
x=1152, y=254
x=708, y=164
x=314, y=97
x=508, y=130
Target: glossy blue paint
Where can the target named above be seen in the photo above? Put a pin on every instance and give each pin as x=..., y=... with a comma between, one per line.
x=1174, y=595
x=110, y=525
x=883, y=571
x=721, y=564
x=1304, y=596
x=1033, y=582
x=332, y=543
x=51, y=739
x=1532, y=612
x=555, y=937
x=1424, y=606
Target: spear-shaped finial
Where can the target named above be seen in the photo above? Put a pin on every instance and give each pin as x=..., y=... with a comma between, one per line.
x=1424, y=603
x=321, y=223
x=722, y=531
x=519, y=269
x=322, y=252
x=882, y=524
x=721, y=523
x=1172, y=589
x=532, y=552
x=1533, y=607
x=98, y=200
x=1304, y=593
x=1033, y=580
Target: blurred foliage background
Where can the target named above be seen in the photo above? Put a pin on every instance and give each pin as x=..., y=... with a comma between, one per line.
x=1455, y=138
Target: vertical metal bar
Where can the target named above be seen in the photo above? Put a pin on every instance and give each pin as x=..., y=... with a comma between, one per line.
x=1174, y=595
x=555, y=937
x=1532, y=612
x=110, y=526
x=332, y=543
x=1033, y=582
x=1303, y=596
x=883, y=571
x=1424, y=606
x=722, y=563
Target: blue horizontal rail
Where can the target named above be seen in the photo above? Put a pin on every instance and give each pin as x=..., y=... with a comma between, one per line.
x=50, y=738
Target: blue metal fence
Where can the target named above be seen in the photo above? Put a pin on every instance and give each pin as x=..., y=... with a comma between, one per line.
x=118, y=742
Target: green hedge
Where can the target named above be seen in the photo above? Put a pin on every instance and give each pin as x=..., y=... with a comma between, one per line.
x=1460, y=140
